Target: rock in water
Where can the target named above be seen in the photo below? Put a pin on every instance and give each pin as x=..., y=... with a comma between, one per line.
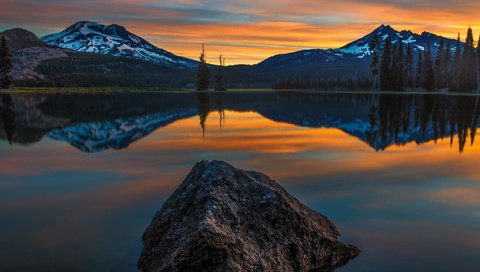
x=226, y=219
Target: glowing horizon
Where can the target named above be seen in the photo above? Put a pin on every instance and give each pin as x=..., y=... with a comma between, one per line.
x=245, y=32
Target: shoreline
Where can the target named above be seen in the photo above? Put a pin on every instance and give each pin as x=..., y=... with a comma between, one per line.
x=49, y=90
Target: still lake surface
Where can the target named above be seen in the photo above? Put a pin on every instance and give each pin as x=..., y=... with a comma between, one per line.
x=82, y=175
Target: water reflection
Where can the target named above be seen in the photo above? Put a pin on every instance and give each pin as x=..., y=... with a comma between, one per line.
x=203, y=107
x=410, y=207
x=97, y=122
x=8, y=117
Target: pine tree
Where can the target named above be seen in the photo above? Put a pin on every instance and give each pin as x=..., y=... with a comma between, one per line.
x=393, y=67
x=467, y=70
x=5, y=64
x=409, y=77
x=386, y=66
x=419, y=72
x=219, y=84
x=399, y=64
x=478, y=64
x=445, y=67
x=203, y=74
x=374, y=65
x=438, y=64
x=457, y=65
x=429, y=73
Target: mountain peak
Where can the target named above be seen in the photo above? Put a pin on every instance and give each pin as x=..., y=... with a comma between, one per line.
x=89, y=36
x=384, y=29
x=361, y=47
x=79, y=24
x=87, y=27
x=382, y=26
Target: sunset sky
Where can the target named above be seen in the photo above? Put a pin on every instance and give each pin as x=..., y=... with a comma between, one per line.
x=245, y=31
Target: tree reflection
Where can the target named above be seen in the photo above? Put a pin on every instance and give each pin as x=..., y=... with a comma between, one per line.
x=203, y=106
x=219, y=105
x=8, y=117
x=434, y=117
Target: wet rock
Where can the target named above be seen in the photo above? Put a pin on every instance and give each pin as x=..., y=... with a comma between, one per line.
x=227, y=219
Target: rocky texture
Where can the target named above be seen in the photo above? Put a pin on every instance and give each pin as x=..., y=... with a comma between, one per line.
x=28, y=52
x=26, y=61
x=227, y=219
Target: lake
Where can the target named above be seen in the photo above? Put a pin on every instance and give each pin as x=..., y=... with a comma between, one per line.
x=82, y=174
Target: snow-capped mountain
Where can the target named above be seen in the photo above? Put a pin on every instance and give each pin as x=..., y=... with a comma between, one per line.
x=361, y=47
x=356, y=53
x=113, y=40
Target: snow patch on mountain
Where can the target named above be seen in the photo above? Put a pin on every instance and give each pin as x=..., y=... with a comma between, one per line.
x=113, y=40
x=361, y=47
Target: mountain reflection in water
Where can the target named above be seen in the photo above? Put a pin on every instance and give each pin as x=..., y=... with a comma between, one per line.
x=81, y=175
x=97, y=122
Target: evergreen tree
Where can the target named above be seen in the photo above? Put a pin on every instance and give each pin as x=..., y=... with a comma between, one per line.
x=386, y=66
x=374, y=65
x=219, y=84
x=438, y=64
x=399, y=67
x=445, y=68
x=5, y=64
x=419, y=72
x=467, y=70
x=203, y=74
x=409, y=76
x=429, y=73
x=393, y=66
x=457, y=65
x=478, y=64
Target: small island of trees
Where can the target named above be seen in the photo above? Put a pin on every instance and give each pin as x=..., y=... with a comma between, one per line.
x=203, y=73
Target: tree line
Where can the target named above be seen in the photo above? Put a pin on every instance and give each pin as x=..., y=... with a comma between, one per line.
x=363, y=82
x=454, y=66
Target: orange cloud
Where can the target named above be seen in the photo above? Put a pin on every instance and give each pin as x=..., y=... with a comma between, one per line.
x=246, y=31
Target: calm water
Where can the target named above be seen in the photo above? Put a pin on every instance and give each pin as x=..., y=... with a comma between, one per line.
x=81, y=175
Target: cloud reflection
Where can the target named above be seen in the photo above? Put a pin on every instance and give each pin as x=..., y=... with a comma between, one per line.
x=389, y=201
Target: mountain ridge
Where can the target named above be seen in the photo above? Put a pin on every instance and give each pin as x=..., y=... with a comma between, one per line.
x=360, y=48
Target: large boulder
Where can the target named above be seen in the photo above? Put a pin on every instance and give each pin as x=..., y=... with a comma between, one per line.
x=227, y=219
